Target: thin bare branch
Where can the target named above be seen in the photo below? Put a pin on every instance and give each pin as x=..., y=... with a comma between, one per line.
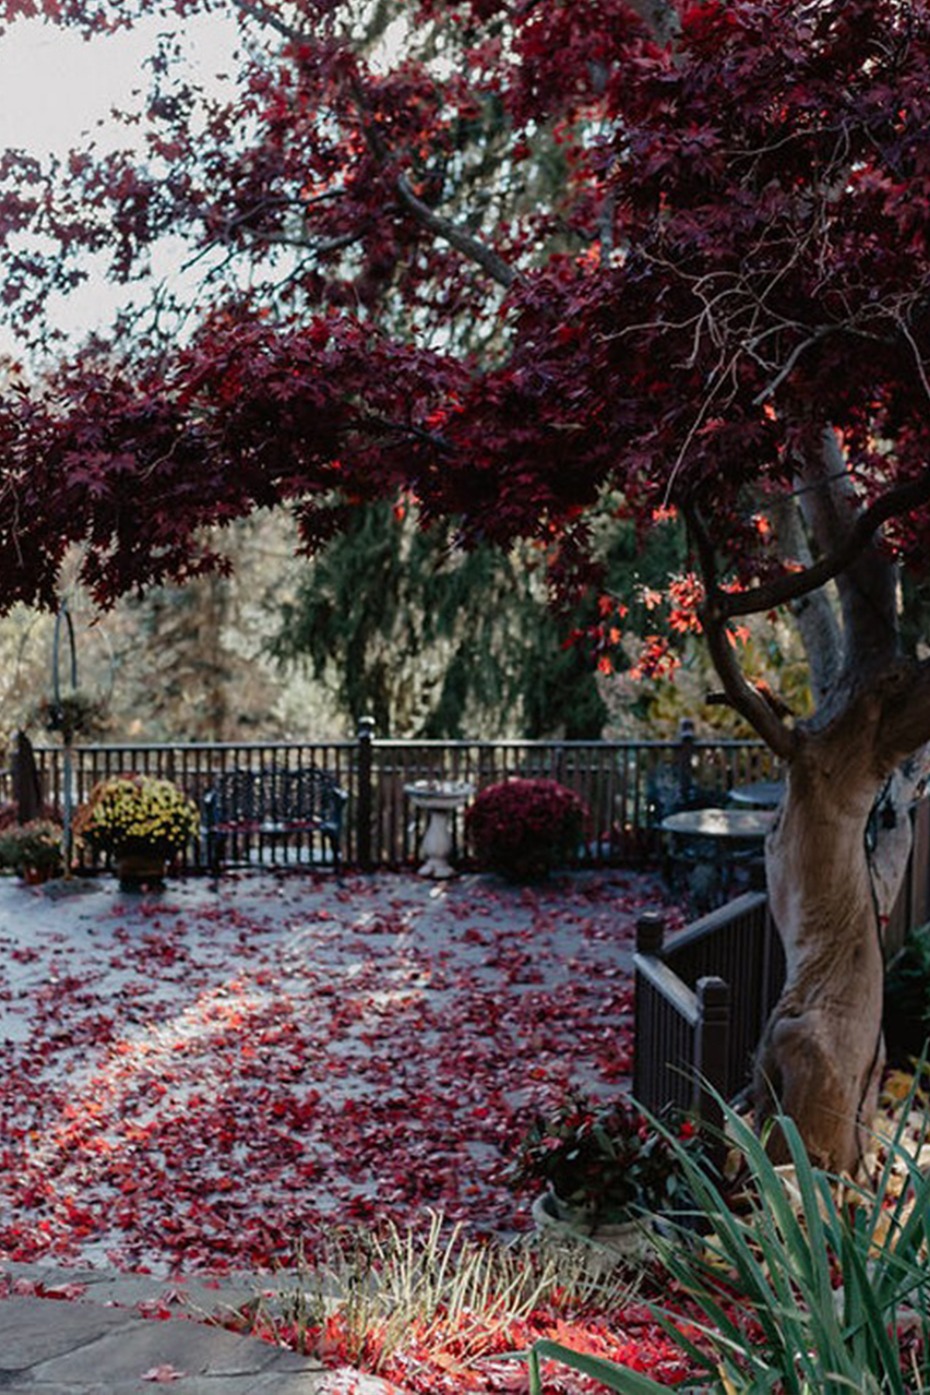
x=921, y=369
x=457, y=237
x=788, y=366
x=740, y=693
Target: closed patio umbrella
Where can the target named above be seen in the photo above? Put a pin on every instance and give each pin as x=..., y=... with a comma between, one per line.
x=27, y=786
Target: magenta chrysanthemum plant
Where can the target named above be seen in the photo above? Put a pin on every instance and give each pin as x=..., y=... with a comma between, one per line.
x=523, y=828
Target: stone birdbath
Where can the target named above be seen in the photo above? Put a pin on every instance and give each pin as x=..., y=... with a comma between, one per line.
x=439, y=800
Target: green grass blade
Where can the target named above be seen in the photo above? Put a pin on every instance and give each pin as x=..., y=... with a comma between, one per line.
x=615, y=1377
x=535, y=1374
x=868, y=1340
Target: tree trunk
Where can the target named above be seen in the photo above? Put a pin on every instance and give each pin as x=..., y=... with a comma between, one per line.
x=822, y=1053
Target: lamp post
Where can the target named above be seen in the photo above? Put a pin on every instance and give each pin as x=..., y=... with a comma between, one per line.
x=64, y=623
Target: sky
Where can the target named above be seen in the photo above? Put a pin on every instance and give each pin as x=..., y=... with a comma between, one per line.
x=54, y=86
x=56, y=93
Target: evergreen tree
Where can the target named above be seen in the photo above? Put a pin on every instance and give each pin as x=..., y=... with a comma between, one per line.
x=433, y=642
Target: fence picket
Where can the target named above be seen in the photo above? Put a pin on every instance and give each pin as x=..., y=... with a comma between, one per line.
x=616, y=780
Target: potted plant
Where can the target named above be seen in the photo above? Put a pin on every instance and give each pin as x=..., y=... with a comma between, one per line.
x=604, y=1169
x=138, y=821
x=523, y=828
x=33, y=850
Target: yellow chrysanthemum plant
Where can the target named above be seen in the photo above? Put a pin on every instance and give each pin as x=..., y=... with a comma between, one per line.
x=128, y=814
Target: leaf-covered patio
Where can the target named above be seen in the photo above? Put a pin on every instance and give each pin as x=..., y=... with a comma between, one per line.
x=212, y=1079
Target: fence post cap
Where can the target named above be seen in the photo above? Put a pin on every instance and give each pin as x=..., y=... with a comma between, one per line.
x=366, y=728
x=713, y=992
x=650, y=931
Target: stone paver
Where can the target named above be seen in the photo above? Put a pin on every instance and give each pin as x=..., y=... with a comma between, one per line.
x=101, y=1344
x=80, y=1348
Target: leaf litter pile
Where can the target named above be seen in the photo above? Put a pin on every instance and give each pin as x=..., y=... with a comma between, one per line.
x=203, y=1081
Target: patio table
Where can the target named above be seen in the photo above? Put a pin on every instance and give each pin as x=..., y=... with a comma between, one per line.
x=724, y=825
x=719, y=839
x=761, y=794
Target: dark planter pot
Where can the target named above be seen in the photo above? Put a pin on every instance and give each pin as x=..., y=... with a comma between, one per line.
x=141, y=872
x=37, y=876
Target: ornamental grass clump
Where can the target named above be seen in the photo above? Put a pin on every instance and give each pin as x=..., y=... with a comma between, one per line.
x=137, y=814
x=431, y=1307
x=524, y=828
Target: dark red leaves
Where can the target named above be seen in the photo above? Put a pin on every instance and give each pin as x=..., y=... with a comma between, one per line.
x=204, y=1085
x=581, y=253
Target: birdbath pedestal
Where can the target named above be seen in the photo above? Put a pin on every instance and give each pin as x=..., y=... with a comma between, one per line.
x=439, y=800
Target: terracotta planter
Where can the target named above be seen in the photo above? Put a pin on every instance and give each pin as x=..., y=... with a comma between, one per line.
x=140, y=872
x=37, y=876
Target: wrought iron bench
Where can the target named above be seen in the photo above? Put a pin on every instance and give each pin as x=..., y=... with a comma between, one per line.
x=270, y=805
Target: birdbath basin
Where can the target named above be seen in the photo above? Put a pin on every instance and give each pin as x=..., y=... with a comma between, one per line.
x=439, y=800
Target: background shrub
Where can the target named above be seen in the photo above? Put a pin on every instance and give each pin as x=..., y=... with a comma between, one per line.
x=524, y=828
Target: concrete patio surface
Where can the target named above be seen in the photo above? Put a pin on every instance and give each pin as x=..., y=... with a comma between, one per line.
x=84, y=1331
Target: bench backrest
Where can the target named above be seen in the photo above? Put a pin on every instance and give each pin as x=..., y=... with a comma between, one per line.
x=277, y=794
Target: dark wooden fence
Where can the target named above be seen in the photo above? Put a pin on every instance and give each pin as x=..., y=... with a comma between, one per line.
x=912, y=907
x=701, y=1001
x=622, y=783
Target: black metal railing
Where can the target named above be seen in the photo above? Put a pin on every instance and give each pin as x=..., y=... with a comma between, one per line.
x=617, y=780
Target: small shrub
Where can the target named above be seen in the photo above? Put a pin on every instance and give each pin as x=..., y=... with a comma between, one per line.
x=35, y=844
x=386, y=1299
x=137, y=813
x=603, y=1157
x=524, y=828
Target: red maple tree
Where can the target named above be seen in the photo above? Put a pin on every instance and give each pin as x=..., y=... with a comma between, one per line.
x=527, y=258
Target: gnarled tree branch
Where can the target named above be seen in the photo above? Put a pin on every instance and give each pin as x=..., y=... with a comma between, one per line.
x=785, y=589
x=740, y=693
x=457, y=237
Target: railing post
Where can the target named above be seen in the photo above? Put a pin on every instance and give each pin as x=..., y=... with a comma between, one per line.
x=363, y=801
x=685, y=758
x=712, y=1050
x=650, y=933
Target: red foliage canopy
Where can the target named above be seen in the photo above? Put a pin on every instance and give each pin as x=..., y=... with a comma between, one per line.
x=528, y=254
